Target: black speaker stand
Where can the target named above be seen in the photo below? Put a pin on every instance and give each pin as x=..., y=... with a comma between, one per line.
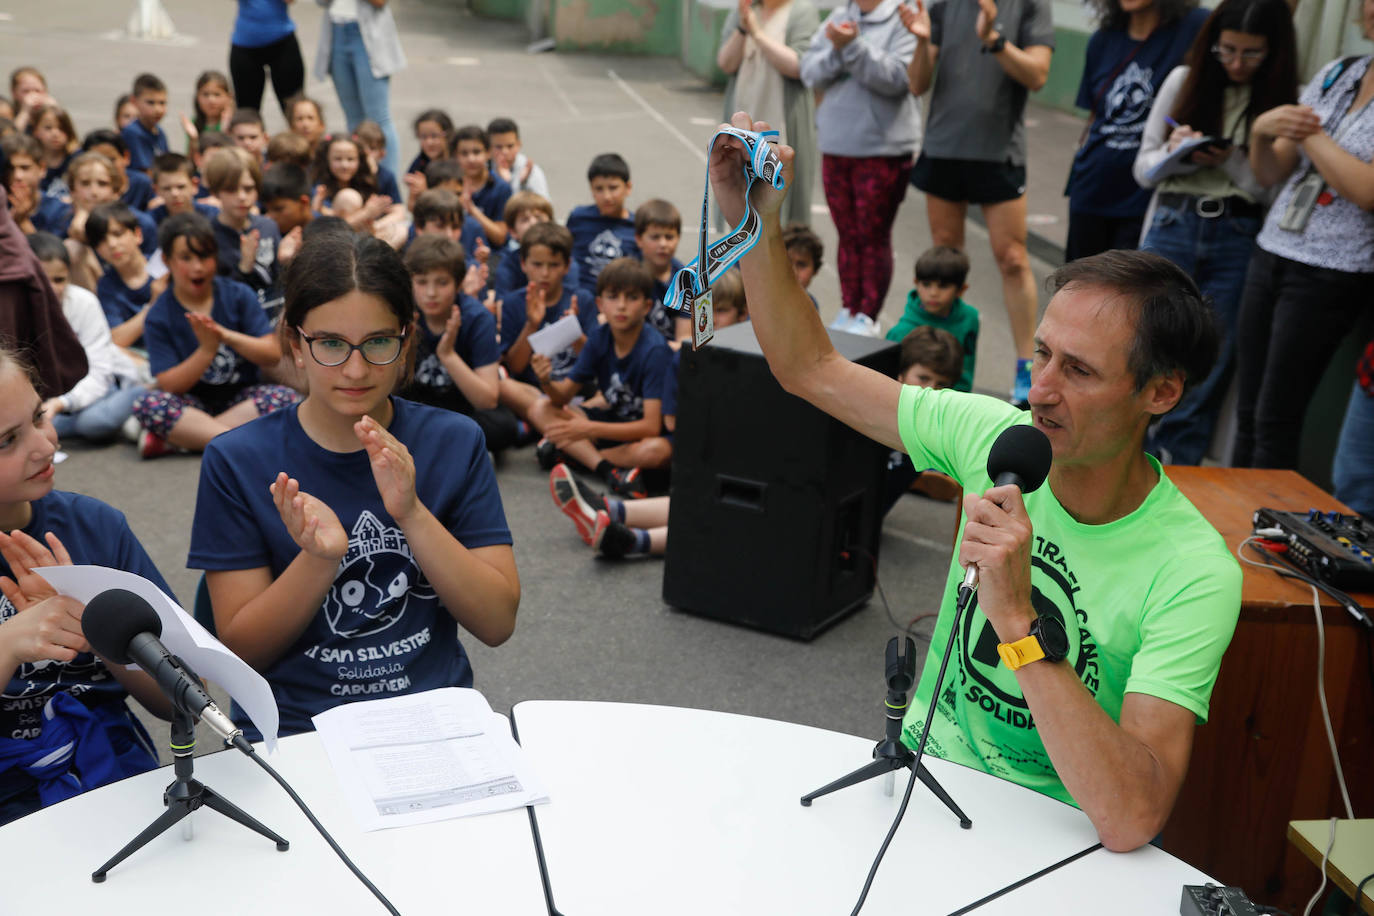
x=891, y=754
x=184, y=796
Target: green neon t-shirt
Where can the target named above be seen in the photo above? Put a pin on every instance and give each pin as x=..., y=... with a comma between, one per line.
x=1149, y=602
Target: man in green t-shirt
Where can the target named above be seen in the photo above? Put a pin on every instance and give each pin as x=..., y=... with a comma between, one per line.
x=1108, y=550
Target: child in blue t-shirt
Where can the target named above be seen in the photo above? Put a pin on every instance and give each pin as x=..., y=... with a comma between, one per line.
x=603, y=230
x=457, y=353
x=619, y=430
x=545, y=250
x=138, y=188
x=658, y=228
x=126, y=288
x=247, y=242
x=523, y=210
x=345, y=540
x=178, y=187
x=143, y=136
x=64, y=724
x=484, y=194
x=207, y=336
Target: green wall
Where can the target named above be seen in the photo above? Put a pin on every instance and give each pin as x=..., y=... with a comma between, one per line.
x=701, y=27
x=1066, y=69
x=619, y=26
x=500, y=9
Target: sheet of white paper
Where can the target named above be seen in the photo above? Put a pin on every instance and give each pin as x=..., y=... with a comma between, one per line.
x=556, y=337
x=426, y=757
x=156, y=266
x=182, y=636
x=1177, y=161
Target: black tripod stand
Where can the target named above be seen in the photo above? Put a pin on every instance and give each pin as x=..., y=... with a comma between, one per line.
x=891, y=755
x=184, y=796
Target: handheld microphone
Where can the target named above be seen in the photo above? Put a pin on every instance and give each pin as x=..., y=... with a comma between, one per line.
x=1020, y=456
x=124, y=628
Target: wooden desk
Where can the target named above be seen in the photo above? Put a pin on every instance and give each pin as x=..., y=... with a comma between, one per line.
x=1352, y=858
x=1262, y=759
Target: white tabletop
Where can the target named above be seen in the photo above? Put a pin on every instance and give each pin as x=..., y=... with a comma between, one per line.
x=474, y=865
x=686, y=811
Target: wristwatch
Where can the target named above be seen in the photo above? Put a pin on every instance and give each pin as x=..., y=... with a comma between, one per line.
x=996, y=47
x=1047, y=640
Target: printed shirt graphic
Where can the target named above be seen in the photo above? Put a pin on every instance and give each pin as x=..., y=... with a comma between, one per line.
x=476, y=345
x=93, y=533
x=597, y=241
x=380, y=630
x=170, y=339
x=1149, y=602
x=513, y=321
x=625, y=382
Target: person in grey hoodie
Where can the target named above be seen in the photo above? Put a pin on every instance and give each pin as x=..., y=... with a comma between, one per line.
x=867, y=129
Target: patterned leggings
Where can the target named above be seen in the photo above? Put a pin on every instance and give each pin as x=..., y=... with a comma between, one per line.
x=864, y=194
x=159, y=411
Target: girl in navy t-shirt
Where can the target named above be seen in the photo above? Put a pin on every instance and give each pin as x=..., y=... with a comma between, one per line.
x=64, y=725
x=346, y=539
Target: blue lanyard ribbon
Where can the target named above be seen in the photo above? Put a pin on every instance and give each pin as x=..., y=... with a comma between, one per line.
x=690, y=290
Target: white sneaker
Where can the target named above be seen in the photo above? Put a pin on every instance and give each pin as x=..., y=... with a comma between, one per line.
x=131, y=429
x=843, y=321
x=862, y=324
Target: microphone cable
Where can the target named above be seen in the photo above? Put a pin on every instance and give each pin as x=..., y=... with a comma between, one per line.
x=242, y=744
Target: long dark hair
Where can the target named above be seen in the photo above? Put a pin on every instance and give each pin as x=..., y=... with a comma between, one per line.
x=1111, y=16
x=1275, y=80
x=363, y=180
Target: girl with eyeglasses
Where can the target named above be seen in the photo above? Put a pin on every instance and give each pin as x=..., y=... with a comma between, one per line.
x=346, y=539
x=1208, y=208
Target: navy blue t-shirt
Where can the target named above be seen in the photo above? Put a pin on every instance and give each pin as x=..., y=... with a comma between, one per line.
x=510, y=275
x=387, y=184
x=660, y=316
x=54, y=180
x=139, y=191
x=120, y=302
x=626, y=382
x=93, y=533
x=170, y=339
x=476, y=345
x=262, y=277
x=491, y=198
x=1101, y=182
x=513, y=322
x=209, y=211
x=144, y=144
x=418, y=164
x=380, y=630
x=597, y=241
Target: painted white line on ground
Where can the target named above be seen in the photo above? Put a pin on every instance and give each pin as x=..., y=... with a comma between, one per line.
x=916, y=539
x=696, y=148
x=704, y=122
x=820, y=208
x=558, y=90
x=464, y=61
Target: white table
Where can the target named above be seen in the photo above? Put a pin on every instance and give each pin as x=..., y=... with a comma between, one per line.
x=479, y=865
x=685, y=811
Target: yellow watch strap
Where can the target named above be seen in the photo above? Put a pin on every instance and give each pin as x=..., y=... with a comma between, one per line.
x=1020, y=653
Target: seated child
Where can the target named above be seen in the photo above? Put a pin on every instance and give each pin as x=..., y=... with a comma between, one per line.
x=434, y=133
x=373, y=141
x=52, y=127
x=207, y=336
x=603, y=230
x=510, y=164
x=143, y=135
x=658, y=228
x=138, y=187
x=29, y=206
x=249, y=133
x=440, y=210
x=94, y=180
x=95, y=408
x=941, y=275
x=457, y=354
x=285, y=199
x=484, y=194
x=247, y=242
x=618, y=431
x=930, y=358
x=545, y=250
x=340, y=166
x=176, y=184
x=524, y=209
x=805, y=251
x=126, y=288
x=305, y=118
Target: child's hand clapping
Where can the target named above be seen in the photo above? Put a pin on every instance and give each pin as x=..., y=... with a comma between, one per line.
x=447, y=339
x=207, y=330
x=248, y=250
x=535, y=307
x=392, y=468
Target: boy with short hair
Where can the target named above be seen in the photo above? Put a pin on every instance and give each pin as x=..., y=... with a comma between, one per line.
x=619, y=430
x=126, y=288
x=805, y=250
x=285, y=197
x=142, y=135
x=603, y=230
x=440, y=210
x=372, y=139
x=484, y=194
x=930, y=357
x=138, y=188
x=176, y=184
x=941, y=275
x=545, y=252
x=509, y=161
x=31, y=208
x=658, y=228
x=523, y=210
x=289, y=147
x=249, y=133
x=247, y=242
x=456, y=354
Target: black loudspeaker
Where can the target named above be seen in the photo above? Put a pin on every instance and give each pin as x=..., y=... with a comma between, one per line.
x=776, y=505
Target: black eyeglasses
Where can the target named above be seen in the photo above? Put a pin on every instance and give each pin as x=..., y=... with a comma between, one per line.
x=1226, y=53
x=335, y=351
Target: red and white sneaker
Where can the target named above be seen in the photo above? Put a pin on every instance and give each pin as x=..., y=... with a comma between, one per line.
x=152, y=446
x=627, y=483
x=568, y=497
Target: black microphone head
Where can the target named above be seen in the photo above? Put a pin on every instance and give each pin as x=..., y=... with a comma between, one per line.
x=113, y=618
x=1022, y=451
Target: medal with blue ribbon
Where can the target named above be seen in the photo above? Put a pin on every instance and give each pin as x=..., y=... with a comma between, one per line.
x=690, y=291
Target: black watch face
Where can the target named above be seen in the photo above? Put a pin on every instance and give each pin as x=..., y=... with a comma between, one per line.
x=1053, y=638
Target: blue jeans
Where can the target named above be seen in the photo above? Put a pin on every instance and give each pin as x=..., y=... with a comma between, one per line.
x=100, y=422
x=362, y=95
x=1215, y=252
x=1353, y=468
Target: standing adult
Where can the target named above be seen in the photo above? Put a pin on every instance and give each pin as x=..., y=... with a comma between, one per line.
x=1310, y=274
x=264, y=39
x=867, y=129
x=1208, y=208
x=1135, y=46
x=990, y=56
x=359, y=50
x=761, y=45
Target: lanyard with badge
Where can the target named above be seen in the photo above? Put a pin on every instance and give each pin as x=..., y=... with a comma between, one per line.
x=1311, y=189
x=690, y=291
